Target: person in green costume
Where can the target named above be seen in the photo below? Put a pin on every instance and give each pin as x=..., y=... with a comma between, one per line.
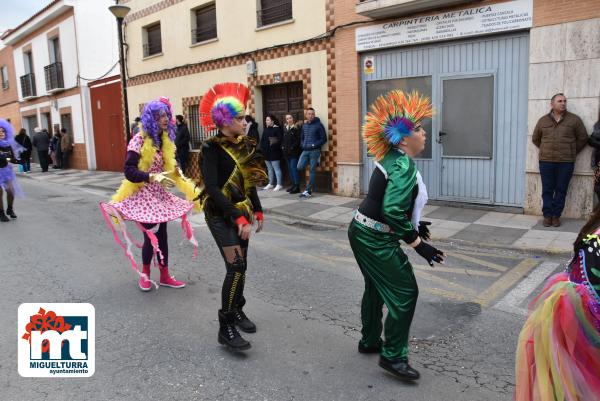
x=391, y=212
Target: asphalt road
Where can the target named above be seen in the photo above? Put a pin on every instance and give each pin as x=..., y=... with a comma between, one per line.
x=303, y=290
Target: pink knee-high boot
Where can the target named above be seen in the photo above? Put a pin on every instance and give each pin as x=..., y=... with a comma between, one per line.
x=167, y=280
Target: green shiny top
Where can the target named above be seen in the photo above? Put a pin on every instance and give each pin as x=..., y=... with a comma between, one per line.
x=398, y=199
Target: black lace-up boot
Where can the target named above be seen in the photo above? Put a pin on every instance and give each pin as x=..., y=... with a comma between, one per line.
x=228, y=334
x=241, y=320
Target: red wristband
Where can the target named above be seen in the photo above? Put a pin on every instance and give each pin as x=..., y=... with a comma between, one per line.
x=241, y=220
x=259, y=216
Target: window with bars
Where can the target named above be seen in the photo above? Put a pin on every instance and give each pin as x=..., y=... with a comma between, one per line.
x=206, y=24
x=273, y=11
x=4, y=77
x=153, y=44
x=197, y=132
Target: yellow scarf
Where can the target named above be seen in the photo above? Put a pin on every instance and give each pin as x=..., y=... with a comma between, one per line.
x=147, y=153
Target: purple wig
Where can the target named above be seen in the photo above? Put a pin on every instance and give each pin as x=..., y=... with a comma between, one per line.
x=152, y=113
x=9, y=138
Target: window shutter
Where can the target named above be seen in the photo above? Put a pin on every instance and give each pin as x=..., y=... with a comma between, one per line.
x=206, y=24
x=272, y=11
x=154, y=40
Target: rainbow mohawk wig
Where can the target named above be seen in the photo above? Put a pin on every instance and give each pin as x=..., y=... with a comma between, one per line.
x=222, y=103
x=392, y=117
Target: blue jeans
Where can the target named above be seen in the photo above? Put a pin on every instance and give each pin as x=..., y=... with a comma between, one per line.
x=313, y=157
x=26, y=165
x=555, y=183
x=274, y=169
x=293, y=167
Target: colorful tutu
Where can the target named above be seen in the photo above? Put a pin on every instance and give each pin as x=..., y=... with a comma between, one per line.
x=558, y=353
x=8, y=178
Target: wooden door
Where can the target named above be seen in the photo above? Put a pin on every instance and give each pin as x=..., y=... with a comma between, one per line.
x=109, y=133
x=283, y=99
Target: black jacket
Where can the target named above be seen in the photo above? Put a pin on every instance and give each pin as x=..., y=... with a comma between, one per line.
x=216, y=166
x=594, y=142
x=291, y=142
x=182, y=139
x=41, y=141
x=6, y=154
x=271, y=148
x=23, y=140
x=253, y=132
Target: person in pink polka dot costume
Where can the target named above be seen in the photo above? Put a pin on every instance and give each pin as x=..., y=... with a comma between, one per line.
x=151, y=204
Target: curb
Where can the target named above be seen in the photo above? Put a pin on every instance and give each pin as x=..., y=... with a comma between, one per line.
x=325, y=225
x=328, y=225
x=92, y=186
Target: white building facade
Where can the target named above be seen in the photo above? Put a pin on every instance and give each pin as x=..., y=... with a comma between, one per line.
x=57, y=51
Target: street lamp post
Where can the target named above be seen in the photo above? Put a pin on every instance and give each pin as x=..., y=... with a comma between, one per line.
x=120, y=12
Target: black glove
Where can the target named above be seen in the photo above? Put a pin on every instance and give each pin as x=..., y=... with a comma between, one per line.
x=429, y=253
x=424, y=231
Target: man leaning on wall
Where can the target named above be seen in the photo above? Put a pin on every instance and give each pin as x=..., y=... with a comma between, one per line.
x=560, y=136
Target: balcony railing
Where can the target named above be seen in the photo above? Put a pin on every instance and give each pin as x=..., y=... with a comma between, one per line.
x=203, y=34
x=151, y=49
x=54, y=76
x=28, y=85
x=274, y=14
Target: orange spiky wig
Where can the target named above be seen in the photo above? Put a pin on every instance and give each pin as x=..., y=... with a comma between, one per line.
x=392, y=117
x=222, y=103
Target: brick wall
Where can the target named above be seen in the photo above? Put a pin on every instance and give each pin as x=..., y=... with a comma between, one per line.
x=8, y=95
x=550, y=12
x=12, y=111
x=348, y=83
x=78, y=158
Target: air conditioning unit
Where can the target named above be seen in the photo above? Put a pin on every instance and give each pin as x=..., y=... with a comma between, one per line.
x=250, y=67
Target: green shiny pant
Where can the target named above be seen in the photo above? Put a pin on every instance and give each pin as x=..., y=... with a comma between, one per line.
x=389, y=279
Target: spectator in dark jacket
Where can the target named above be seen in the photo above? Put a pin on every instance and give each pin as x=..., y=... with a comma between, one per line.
x=52, y=149
x=135, y=127
x=57, y=139
x=559, y=135
x=23, y=140
x=594, y=142
x=270, y=145
x=252, y=128
x=66, y=147
x=291, y=151
x=41, y=141
x=182, y=142
x=313, y=136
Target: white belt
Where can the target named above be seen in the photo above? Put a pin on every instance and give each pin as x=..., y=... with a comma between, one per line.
x=371, y=223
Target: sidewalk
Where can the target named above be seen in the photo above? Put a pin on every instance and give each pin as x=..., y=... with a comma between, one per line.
x=463, y=225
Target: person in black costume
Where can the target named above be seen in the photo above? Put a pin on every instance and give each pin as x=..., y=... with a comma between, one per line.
x=252, y=128
x=594, y=142
x=230, y=169
x=23, y=140
x=182, y=142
